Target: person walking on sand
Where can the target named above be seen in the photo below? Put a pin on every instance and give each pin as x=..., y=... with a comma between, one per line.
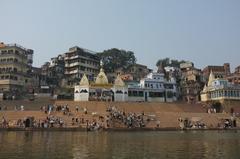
x=158, y=123
x=76, y=108
x=22, y=108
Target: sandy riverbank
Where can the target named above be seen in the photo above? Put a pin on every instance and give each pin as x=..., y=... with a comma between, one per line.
x=117, y=129
x=167, y=113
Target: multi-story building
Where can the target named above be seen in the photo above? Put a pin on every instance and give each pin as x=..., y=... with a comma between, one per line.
x=45, y=79
x=154, y=88
x=134, y=73
x=186, y=65
x=218, y=71
x=219, y=90
x=56, y=70
x=138, y=71
x=234, y=78
x=191, y=84
x=15, y=69
x=237, y=70
x=79, y=61
x=52, y=74
x=35, y=79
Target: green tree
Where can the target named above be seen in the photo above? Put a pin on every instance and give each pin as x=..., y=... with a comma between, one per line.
x=115, y=58
x=167, y=62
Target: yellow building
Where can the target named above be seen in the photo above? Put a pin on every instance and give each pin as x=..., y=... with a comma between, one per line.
x=15, y=66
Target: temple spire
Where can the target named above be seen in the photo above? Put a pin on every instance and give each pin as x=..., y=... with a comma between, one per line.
x=211, y=78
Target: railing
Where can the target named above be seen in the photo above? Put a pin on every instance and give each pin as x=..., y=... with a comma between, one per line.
x=70, y=72
x=17, y=45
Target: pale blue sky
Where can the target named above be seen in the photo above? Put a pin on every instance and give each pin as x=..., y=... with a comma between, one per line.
x=203, y=31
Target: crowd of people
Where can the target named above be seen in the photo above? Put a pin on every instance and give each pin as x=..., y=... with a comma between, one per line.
x=189, y=124
x=66, y=116
x=130, y=120
x=56, y=108
x=4, y=123
x=90, y=121
x=3, y=107
x=228, y=123
x=30, y=122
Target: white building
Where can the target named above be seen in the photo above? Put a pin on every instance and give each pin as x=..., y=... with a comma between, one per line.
x=219, y=89
x=100, y=90
x=153, y=88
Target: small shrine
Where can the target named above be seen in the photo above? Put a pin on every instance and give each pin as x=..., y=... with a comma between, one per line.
x=100, y=90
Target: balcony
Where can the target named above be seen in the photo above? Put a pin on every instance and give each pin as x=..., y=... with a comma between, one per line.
x=71, y=72
x=81, y=64
x=11, y=82
x=71, y=57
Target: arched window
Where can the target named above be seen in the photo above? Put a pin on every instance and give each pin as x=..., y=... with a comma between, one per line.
x=83, y=91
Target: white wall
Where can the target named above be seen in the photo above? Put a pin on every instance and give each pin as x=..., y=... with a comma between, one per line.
x=81, y=96
x=120, y=97
x=136, y=99
x=1, y=96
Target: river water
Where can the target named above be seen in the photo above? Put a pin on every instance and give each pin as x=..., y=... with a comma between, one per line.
x=120, y=145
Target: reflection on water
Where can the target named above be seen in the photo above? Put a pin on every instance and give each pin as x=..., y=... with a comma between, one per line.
x=119, y=145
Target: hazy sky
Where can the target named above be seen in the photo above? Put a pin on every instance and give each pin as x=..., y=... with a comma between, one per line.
x=203, y=31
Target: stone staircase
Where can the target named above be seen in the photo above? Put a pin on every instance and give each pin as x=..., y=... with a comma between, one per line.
x=136, y=106
x=167, y=113
x=28, y=105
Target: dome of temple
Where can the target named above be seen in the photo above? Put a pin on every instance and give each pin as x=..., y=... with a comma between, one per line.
x=101, y=78
x=211, y=79
x=84, y=81
x=119, y=82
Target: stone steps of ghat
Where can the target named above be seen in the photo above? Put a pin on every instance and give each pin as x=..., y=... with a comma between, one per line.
x=136, y=106
x=21, y=114
x=100, y=107
x=167, y=119
x=28, y=105
x=170, y=119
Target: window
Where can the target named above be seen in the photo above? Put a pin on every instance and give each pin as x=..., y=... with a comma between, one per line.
x=237, y=94
x=140, y=93
x=83, y=91
x=169, y=94
x=119, y=92
x=156, y=94
x=130, y=93
x=135, y=93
